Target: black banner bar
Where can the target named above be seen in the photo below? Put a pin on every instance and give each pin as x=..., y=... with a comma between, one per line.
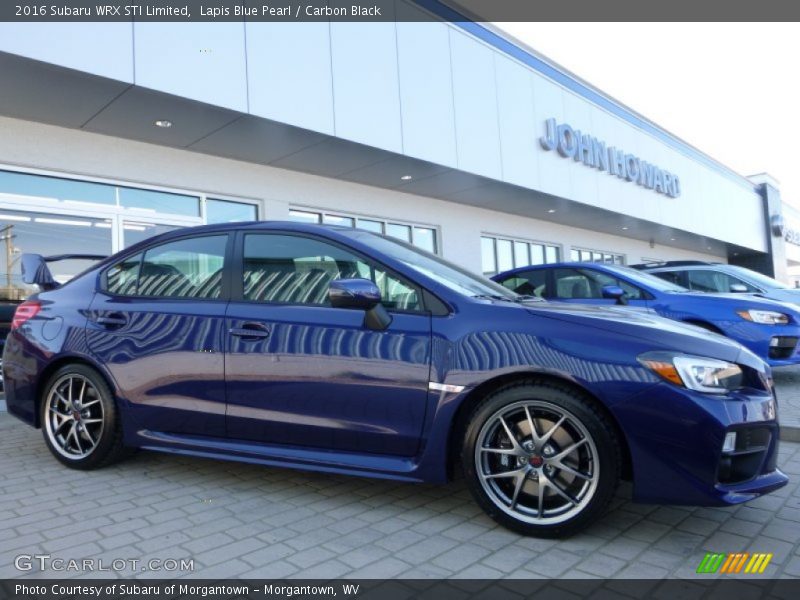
x=286, y=11
x=422, y=589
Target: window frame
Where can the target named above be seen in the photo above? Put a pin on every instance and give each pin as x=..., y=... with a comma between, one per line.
x=321, y=213
x=225, y=293
x=581, y=249
x=497, y=237
x=237, y=274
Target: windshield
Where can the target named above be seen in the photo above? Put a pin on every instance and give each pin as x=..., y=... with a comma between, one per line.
x=646, y=279
x=758, y=278
x=443, y=272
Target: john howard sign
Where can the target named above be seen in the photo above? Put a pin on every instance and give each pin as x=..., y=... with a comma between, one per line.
x=571, y=143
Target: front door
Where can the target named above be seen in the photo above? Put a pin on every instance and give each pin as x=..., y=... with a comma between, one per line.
x=158, y=325
x=300, y=372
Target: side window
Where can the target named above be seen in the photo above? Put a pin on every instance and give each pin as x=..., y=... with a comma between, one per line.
x=188, y=268
x=581, y=283
x=298, y=270
x=123, y=277
x=671, y=276
x=714, y=281
x=531, y=283
x=704, y=281
x=631, y=291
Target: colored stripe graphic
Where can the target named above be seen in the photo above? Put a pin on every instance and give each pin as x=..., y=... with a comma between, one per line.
x=758, y=563
x=734, y=563
x=710, y=563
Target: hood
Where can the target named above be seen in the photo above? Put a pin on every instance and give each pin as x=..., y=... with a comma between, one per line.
x=668, y=334
x=741, y=301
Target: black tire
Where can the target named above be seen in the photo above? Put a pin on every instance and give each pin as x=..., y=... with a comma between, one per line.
x=521, y=507
x=98, y=422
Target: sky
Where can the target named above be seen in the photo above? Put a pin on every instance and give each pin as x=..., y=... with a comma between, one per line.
x=732, y=90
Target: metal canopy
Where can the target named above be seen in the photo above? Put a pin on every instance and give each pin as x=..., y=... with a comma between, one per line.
x=39, y=91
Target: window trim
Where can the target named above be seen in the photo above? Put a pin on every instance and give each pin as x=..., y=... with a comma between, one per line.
x=225, y=292
x=237, y=273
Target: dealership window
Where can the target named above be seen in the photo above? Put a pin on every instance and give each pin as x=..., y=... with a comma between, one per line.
x=228, y=211
x=52, y=214
x=501, y=254
x=598, y=256
x=420, y=236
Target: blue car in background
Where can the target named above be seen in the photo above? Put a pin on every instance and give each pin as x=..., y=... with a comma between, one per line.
x=338, y=350
x=770, y=329
x=718, y=277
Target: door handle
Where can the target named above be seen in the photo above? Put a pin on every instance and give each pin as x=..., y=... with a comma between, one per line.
x=112, y=320
x=250, y=330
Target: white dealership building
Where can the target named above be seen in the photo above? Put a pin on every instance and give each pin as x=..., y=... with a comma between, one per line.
x=450, y=135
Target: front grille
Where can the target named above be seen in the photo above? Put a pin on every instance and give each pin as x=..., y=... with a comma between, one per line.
x=782, y=346
x=745, y=462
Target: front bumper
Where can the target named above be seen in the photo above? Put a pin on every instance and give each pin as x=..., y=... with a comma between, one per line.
x=776, y=344
x=676, y=439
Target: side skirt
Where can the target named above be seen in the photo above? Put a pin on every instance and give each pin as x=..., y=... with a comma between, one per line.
x=344, y=463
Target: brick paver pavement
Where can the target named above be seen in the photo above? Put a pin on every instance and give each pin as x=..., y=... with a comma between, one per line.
x=787, y=386
x=243, y=520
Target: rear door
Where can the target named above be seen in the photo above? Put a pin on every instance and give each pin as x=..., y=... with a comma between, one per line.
x=158, y=325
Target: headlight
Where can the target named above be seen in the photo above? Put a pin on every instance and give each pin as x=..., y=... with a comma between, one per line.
x=694, y=372
x=765, y=317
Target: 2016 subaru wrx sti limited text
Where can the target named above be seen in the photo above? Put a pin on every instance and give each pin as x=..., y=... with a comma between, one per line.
x=339, y=350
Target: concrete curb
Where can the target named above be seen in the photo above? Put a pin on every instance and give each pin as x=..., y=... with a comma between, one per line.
x=790, y=433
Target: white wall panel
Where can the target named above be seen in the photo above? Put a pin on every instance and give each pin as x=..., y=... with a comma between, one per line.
x=289, y=70
x=104, y=49
x=518, y=128
x=475, y=94
x=365, y=88
x=426, y=92
x=201, y=61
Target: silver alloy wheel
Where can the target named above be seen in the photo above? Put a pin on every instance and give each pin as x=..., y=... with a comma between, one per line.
x=74, y=419
x=537, y=462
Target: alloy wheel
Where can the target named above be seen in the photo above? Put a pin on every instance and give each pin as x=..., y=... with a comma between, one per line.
x=537, y=462
x=74, y=419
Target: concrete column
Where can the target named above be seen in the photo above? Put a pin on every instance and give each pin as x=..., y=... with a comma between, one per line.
x=775, y=264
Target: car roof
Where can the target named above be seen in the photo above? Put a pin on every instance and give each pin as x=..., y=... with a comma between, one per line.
x=245, y=225
x=558, y=265
x=693, y=267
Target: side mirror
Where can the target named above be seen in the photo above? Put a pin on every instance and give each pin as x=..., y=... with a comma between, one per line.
x=614, y=292
x=360, y=294
x=738, y=288
x=36, y=272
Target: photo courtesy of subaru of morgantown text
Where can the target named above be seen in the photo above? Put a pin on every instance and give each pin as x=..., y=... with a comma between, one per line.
x=338, y=350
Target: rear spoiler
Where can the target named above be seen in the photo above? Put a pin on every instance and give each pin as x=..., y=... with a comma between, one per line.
x=36, y=272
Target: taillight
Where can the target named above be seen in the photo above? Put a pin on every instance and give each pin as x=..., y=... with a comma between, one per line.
x=26, y=310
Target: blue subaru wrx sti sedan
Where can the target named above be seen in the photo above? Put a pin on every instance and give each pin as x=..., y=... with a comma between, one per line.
x=338, y=350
